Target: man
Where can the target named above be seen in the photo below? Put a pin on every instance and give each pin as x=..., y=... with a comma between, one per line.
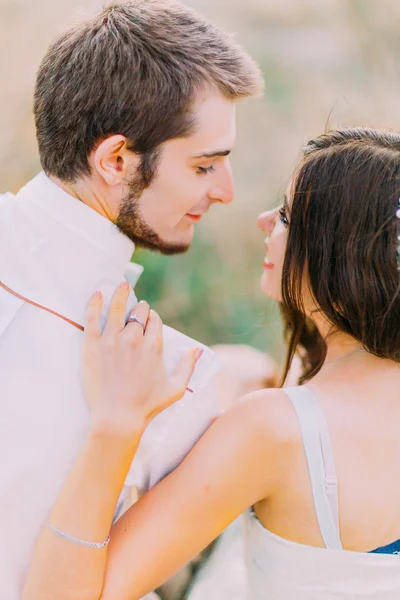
x=135, y=119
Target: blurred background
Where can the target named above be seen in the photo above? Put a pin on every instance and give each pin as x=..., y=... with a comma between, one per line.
x=326, y=63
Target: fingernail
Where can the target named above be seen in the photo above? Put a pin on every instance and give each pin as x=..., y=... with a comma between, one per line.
x=125, y=286
x=198, y=353
x=97, y=296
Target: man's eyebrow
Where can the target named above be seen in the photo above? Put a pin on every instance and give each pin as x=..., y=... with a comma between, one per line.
x=213, y=154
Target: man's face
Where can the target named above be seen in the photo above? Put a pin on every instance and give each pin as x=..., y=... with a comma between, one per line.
x=192, y=174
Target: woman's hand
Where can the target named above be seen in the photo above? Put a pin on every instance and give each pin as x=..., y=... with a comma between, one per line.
x=124, y=375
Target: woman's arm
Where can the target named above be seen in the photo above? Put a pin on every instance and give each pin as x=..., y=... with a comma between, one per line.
x=126, y=385
x=237, y=463
x=85, y=508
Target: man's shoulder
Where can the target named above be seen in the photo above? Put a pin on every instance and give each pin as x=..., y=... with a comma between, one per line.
x=6, y=198
x=8, y=212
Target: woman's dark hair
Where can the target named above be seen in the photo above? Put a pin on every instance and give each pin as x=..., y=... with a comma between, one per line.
x=342, y=240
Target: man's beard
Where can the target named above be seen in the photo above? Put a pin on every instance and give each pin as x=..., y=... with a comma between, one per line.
x=130, y=220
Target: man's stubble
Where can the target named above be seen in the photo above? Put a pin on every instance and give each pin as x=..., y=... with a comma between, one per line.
x=130, y=220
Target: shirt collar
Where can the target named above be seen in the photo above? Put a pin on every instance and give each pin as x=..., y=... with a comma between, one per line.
x=80, y=219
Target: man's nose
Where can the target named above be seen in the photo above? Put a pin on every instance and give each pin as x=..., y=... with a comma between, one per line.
x=222, y=194
x=223, y=190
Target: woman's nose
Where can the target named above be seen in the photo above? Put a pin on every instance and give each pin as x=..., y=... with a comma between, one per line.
x=265, y=221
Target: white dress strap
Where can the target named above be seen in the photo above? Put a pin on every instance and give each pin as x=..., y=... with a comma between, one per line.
x=331, y=483
x=319, y=457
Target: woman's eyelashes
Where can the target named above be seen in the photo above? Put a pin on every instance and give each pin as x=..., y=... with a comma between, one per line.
x=282, y=216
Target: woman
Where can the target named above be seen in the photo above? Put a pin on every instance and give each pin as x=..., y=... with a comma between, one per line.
x=314, y=468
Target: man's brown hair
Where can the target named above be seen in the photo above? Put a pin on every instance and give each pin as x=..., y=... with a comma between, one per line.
x=134, y=69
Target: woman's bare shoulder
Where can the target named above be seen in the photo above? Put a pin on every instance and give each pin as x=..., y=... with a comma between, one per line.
x=268, y=413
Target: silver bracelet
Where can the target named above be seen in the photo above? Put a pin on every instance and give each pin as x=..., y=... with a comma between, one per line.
x=65, y=536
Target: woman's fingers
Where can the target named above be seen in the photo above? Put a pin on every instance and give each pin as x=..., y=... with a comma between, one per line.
x=183, y=372
x=93, y=310
x=124, y=370
x=137, y=327
x=154, y=331
x=117, y=313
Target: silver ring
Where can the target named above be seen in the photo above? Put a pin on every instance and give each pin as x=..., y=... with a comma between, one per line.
x=135, y=319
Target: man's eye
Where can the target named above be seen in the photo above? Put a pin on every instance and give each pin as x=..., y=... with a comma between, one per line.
x=205, y=170
x=283, y=217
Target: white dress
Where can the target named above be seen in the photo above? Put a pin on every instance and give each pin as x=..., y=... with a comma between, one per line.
x=264, y=566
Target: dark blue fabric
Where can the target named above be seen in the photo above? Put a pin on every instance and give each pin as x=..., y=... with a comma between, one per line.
x=393, y=548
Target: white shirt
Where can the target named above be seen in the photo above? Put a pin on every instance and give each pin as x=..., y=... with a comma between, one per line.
x=55, y=251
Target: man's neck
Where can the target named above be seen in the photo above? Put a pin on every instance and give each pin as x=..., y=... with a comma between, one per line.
x=86, y=191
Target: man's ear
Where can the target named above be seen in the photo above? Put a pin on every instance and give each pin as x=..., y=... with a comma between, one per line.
x=113, y=161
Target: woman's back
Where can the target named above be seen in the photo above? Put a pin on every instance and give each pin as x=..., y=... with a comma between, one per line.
x=282, y=570
x=288, y=535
